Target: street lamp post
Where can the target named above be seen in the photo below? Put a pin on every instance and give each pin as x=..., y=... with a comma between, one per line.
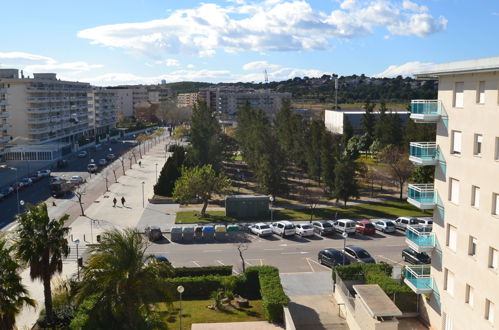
x=77, y=241
x=21, y=203
x=156, y=172
x=271, y=208
x=17, y=189
x=143, y=194
x=180, y=290
x=345, y=235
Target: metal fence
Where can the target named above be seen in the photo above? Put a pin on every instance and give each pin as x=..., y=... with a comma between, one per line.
x=347, y=296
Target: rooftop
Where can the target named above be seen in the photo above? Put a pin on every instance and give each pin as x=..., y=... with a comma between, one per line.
x=487, y=64
x=376, y=300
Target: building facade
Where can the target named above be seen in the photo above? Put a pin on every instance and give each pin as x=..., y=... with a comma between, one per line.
x=228, y=100
x=44, y=110
x=4, y=115
x=460, y=289
x=187, y=100
x=102, y=110
x=127, y=98
x=158, y=93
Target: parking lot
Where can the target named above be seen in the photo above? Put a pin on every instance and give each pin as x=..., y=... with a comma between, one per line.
x=293, y=254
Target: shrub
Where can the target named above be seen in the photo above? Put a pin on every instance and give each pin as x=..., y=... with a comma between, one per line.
x=202, y=286
x=273, y=296
x=202, y=271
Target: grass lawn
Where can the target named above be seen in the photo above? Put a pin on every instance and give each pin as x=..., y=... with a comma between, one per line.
x=195, y=311
x=391, y=209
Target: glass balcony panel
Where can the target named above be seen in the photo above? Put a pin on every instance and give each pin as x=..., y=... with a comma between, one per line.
x=426, y=110
x=418, y=278
x=423, y=153
x=420, y=238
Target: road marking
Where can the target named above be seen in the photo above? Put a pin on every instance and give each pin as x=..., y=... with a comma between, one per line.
x=261, y=262
x=221, y=263
x=318, y=263
x=300, y=252
x=395, y=262
x=235, y=271
x=246, y=261
x=394, y=245
x=212, y=250
x=273, y=249
x=309, y=265
x=196, y=263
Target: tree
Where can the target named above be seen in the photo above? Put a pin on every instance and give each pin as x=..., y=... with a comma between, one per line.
x=126, y=280
x=423, y=174
x=347, y=131
x=345, y=183
x=122, y=161
x=369, y=121
x=79, y=192
x=170, y=173
x=400, y=168
x=380, y=128
x=199, y=183
x=13, y=294
x=41, y=243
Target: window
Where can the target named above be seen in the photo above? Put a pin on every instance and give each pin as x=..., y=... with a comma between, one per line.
x=480, y=93
x=456, y=142
x=472, y=246
x=495, y=204
x=451, y=237
x=449, y=282
x=454, y=191
x=496, y=154
x=469, y=295
x=458, y=95
x=477, y=149
x=489, y=310
x=475, y=196
x=493, y=258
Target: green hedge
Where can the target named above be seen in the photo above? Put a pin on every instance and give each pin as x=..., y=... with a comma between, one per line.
x=273, y=296
x=203, y=271
x=201, y=287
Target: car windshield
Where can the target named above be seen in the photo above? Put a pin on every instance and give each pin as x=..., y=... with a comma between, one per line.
x=289, y=226
x=350, y=224
x=326, y=224
x=363, y=254
x=369, y=225
x=306, y=226
x=389, y=224
x=264, y=227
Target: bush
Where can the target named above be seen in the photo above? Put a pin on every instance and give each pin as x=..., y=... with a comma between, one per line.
x=170, y=173
x=202, y=271
x=273, y=296
x=201, y=287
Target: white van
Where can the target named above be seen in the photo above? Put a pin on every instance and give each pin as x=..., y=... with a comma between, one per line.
x=345, y=226
x=283, y=228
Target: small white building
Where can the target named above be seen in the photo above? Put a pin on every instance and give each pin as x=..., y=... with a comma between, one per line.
x=334, y=119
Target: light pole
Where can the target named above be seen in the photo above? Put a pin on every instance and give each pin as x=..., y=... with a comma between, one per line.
x=180, y=290
x=143, y=194
x=21, y=203
x=345, y=235
x=156, y=172
x=271, y=198
x=77, y=241
x=17, y=189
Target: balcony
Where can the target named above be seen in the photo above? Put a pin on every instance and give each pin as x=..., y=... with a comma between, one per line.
x=4, y=127
x=3, y=102
x=423, y=153
x=422, y=196
x=420, y=238
x=418, y=279
x=4, y=114
x=4, y=139
x=39, y=110
x=426, y=111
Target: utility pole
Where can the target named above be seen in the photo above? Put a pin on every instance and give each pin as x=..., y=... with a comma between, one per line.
x=336, y=93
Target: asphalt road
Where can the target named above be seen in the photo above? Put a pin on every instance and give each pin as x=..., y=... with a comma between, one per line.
x=39, y=191
x=290, y=255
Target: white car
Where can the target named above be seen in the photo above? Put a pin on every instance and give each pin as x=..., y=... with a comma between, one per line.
x=283, y=228
x=43, y=173
x=304, y=230
x=76, y=179
x=261, y=229
x=345, y=226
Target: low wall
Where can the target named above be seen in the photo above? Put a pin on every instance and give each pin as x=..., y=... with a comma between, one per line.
x=289, y=324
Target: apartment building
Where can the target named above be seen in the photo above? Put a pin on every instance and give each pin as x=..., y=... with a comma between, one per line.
x=228, y=100
x=460, y=289
x=102, y=110
x=127, y=98
x=186, y=100
x=43, y=110
x=158, y=93
x=4, y=115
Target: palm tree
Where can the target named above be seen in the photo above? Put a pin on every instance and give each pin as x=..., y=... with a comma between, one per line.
x=127, y=280
x=41, y=243
x=13, y=295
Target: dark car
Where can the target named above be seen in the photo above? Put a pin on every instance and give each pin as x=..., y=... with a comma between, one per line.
x=358, y=254
x=35, y=178
x=365, y=227
x=162, y=259
x=18, y=186
x=62, y=163
x=332, y=257
x=26, y=181
x=415, y=258
x=322, y=227
x=5, y=192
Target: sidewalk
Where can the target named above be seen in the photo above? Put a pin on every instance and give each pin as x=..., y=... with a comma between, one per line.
x=100, y=215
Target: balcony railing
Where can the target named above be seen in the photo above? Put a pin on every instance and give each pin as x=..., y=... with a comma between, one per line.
x=4, y=139
x=428, y=111
x=418, y=278
x=4, y=114
x=422, y=196
x=423, y=153
x=3, y=102
x=420, y=238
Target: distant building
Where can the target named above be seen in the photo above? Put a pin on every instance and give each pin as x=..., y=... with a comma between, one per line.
x=145, y=112
x=102, y=109
x=334, y=119
x=228, y=100
x=158, y=93
x=127, y=98
x=43, y=110
x=4, y=115
x=186, y=100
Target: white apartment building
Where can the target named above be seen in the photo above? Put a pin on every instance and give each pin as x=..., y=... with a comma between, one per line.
x=102, y=109
x=4, y=115
x=43, y=110
x=127, y=98
x=460, y=289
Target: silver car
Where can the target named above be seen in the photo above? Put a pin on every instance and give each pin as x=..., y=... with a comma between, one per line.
x=384, y=226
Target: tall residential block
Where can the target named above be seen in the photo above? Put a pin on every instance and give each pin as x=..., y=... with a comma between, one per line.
x=186, y=100
x=4, y=114
x=102, y=109
x=460, y=289
x=44, y=110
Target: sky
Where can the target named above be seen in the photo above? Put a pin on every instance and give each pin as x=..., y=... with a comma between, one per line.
x=111, y=42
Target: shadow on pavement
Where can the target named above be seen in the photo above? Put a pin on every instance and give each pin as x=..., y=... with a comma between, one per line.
x=305, y=317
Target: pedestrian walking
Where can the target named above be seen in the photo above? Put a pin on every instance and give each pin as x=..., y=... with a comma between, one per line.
x=140, y=163
x=123, y=201
x=114, y=202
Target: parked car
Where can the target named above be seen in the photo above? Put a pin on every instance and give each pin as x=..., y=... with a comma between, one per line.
x=153, y=233
x=403, y=222
x=60, y=188
x=384, y=225
x=322, y=227
x=76, y=179
x=26, y=181
x=162, y=259
x=82, y=154
x=54, y=179
x=344, y=226
x=425, y=223
x=332, y=257
x=5, y=192
x=415, y=258
x=358, y=254
x=304, y=230
x=102, y=162
x=62, y=163
x=283, y=228
x=365, y=227
x=18, y=186
x=35, y=178
x=110, y=157
x=261, y=229
x=92, y=168
x=43, y=173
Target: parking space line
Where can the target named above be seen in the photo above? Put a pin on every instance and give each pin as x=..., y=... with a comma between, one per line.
x=196, y=263
x=273, y=249
x=309, y=265
x=261, y=262
x=246, y=261
x=212, y=250
x=318, y=263
x=221, y=263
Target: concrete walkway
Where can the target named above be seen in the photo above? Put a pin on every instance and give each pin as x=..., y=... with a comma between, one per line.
x=100, y=215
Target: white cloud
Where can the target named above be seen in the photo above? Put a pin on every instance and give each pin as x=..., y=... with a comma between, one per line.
x=259, y=65
x=272, y=25
x=72, y=67
x=21, y=56
x=407, y=69
x=172, y=62
x=190, y=66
